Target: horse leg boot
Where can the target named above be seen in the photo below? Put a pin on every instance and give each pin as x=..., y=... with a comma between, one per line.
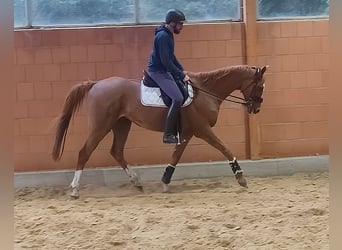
x=166, y=178
x=171, y=123
x=238, y=172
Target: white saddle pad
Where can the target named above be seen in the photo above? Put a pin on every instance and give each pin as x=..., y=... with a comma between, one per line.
x=152, y=97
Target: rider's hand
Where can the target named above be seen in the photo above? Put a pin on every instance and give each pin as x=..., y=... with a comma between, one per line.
x=186, y=78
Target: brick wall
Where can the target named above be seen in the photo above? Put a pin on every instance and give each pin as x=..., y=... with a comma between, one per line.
x=48, y=62
x=295, y=115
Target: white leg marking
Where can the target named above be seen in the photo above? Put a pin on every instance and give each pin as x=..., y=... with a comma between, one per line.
x=133, y=176
x=165, y=187
x=76, y=181
x=75, y=184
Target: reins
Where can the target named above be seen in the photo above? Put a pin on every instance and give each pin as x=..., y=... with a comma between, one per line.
x=242, y=100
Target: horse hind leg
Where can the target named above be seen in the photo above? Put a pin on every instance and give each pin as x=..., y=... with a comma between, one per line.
x=88, y=148
x=120, y=131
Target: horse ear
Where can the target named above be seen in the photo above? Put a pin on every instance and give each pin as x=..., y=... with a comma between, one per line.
x=264, y=69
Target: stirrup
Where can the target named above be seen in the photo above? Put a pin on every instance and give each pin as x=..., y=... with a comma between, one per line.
x=169, y=138
x=180, y=140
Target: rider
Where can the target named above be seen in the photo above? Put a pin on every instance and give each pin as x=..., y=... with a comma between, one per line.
x=164, y=68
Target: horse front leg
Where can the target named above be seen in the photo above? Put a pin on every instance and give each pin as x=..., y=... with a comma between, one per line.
x=177, y=153
x=209, y=136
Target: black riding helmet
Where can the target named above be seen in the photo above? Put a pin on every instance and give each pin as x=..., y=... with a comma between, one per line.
x=174, y=15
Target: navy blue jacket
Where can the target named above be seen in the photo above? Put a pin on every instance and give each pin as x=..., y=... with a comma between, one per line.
x=162, y=58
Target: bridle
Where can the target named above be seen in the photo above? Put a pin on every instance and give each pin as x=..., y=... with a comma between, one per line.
x=252, y=98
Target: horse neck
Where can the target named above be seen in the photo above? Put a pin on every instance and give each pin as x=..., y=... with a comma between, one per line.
x=224, y=81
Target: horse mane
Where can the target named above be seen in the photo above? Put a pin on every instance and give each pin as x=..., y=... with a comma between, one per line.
x=202, y=78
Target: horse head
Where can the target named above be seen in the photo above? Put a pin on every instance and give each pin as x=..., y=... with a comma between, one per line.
x=252, y=90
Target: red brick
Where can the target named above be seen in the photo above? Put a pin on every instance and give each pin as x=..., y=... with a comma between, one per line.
x=237, y=31
x=104, y=70
x=313, y=45
x=51, y=72
x=306, y=62
x=14, y=57
x=68, y=37
x=273, y=30
x=86, y=71
x=19, y=73
x=20, y=110
x=182, y=50
x=223, y=31
x=113, y=52
x=144, y=52
x=25, y=92
x=38, y=109
x=43, y=56
x=96, y=53
x=31, y=38
x=38, y=144
x=43, y=91
x=18, y=39
x=103, y=36
x=297, y=45
x=118, y=35
x=320, y=28
x=85, y=36
x=234, y=48
x=50, y=38
x=321, y=61
x=22, y=144
x=60, y=90
x=33, y=73
x=288, y=29
x=265, y=47
x=304, y=28
x=315, y=78
x=206, y=64
x=189, y=33
x=290, y=63
x=69, y=71
x=298, y=80
x=61, y=55
x=120, y=69
x=78, y=54
x=262, y=30
x=206, y=32
x=130, y=52
x=281, y=46
x=199, y=49
x=217, y=48
x=25, y=56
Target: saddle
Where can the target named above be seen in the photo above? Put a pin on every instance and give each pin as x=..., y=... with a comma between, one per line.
x=183, y=87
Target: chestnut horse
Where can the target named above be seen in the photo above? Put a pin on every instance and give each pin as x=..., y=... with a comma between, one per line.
x=114, y=103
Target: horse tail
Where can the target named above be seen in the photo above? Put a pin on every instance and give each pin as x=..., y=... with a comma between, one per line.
x=71, y=106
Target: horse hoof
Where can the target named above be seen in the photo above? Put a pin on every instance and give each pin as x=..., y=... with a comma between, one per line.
x=140, y=188
x=165, y=188
x=74, y=194
x=241, y=179
x=243, y=183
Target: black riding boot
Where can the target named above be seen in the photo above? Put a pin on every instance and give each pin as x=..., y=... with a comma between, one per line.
x=171, y=123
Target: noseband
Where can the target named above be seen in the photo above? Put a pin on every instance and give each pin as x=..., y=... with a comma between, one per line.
x=252, y=98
